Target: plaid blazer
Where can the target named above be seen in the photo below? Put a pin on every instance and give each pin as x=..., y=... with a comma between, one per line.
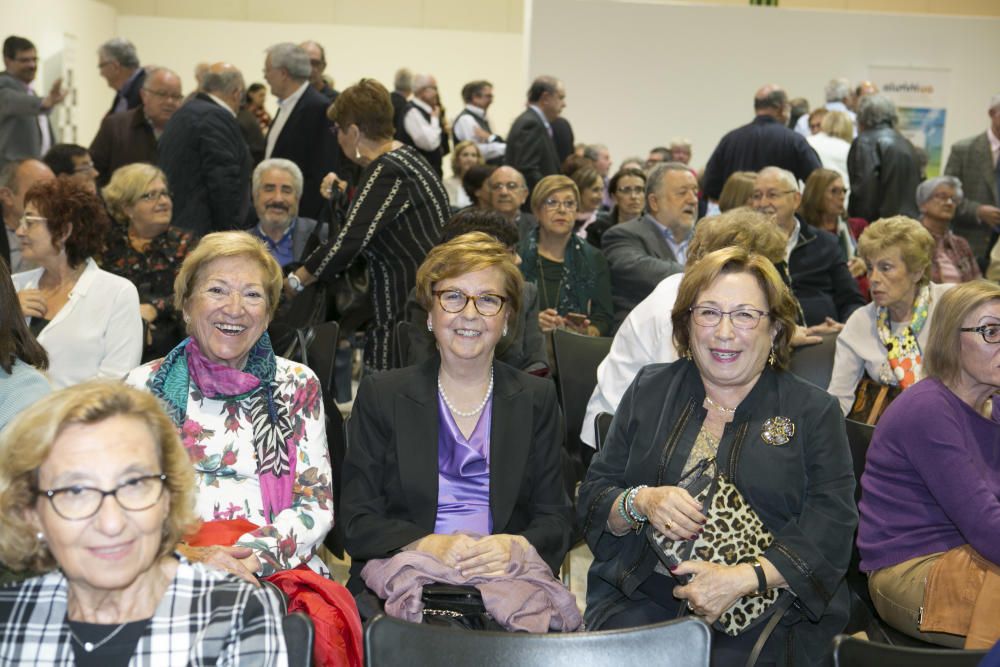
x=206, y=617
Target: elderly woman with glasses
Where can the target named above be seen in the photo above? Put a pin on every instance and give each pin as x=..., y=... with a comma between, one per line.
x=930, y=507
x=953, y=261
x=457, y=459
x=145, y=248
x=574, y=285
x=96, y=491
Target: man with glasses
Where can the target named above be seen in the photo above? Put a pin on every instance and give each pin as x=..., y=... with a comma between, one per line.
x=643, y=252
x=317, y=64
x=75, y=163
x=25, y=130
x=132, y=136
x=471, y=123
x=508, y=193
x=118, y=64
x=16, y=178
x=820, y=278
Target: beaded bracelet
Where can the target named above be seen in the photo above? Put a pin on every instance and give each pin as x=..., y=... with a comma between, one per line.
x=623, y=512
x=638, y=518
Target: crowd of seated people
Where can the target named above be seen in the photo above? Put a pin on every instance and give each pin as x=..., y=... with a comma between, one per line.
x=136, y=363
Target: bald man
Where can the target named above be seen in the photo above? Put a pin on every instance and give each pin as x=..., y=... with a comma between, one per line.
x=766, y=141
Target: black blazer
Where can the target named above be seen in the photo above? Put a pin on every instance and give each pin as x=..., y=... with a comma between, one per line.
x=530, y=149
x=390, y=487
x=131, y=94
x=307, y=139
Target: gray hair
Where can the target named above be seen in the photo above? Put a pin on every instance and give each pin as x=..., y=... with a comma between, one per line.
x=837, y=90
x=655, y=177
x=403, y=81
x=875, y=110
x=593, y=151
x=421, y=81
x=121, y=51
x=680, y=142
x=281, y=164
x=926, y=189
x=292, y=58
x=226, y=82
x=787, y=177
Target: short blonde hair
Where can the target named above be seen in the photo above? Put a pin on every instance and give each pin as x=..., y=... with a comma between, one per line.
x=943, y=352
x=838, y=124
x=915, y=243
x=127, y=185
x=743, y=227
x=550, y=185
x=782, y=307
x=737, y=190
x=463, y=254
x=27, y=442
x=229, y=244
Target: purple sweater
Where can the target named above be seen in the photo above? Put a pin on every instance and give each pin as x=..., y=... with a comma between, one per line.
x=931, y=480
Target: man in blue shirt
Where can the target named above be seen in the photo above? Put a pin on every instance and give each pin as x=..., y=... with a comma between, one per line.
x=277, y=189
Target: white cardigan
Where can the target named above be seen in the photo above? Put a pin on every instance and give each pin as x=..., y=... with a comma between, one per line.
x=98, y=333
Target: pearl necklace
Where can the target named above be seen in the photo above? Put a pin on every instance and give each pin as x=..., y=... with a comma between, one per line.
x=90, y=646
x=728, y=411
x=459, y=413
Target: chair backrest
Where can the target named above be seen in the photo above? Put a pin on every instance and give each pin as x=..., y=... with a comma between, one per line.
x=859, y=436
x=390, y=642
x=278, y=593
x=320, y=354
x=336, y=441
x=814, y=363
x=851, y=652
x=602, y=423
x=577, y=359
x=298, y=630
x=403, y=329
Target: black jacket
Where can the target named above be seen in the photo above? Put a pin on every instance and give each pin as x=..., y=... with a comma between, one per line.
x=803, y=491
x=131, y=94
x=207, y=164
x=884, y=175
x=390, y=494
x=530, y=149
x=820, y=279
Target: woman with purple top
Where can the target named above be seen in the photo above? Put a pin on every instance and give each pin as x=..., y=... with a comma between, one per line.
x=457, y=457
x=929, y=534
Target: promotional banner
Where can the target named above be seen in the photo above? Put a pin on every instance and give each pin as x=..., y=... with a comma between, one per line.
x=921, y=98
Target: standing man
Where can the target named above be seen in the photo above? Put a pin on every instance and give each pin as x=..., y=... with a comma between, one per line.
x=206, y=161
x=300, y=131
x=131, y=136
x=317, y=64
x=602, y=163
x=530, y=147
x=643, y=252
x=974, y=162
x=402, y=91
x=118, y=64
x=25, y=130
x=16, y=178
x=424, y=126
x=472, y=125
x=763, y=142
x=838, y=95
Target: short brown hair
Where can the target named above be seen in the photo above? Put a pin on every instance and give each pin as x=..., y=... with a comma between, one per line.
x=463, y=254
x=743, y=227
x=68, y=207
x=943, y=352
x=737, y=190
x=366, y=104
x=915, y=243
x=228, y=244
x=27, y=442
x=128, y=184
x=782, y=307
x=813, y=204
x=550, y=185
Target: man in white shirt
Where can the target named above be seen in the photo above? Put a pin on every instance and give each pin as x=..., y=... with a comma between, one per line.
x=838, y=94
x=422, y=125
x=472, y=125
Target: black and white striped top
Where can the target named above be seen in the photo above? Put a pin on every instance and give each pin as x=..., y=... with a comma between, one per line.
x=396, y=218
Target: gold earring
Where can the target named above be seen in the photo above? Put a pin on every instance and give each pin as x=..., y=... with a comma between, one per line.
x=771, y=358
x=687, y=355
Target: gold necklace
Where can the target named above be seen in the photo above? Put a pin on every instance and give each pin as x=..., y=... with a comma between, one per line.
x=727, y=411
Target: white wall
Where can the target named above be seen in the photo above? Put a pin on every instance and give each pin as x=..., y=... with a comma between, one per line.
x=640, y=74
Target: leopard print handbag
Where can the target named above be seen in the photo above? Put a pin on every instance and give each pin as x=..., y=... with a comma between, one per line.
x=733, y=534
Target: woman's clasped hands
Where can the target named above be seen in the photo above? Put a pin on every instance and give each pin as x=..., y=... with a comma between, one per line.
x=473, y=557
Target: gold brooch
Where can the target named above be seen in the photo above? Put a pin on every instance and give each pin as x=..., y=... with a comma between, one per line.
x=777, y=431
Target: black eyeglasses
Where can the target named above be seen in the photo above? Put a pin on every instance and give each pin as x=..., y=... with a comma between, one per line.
x=989, y=332
x=76, y=503
x=455, y=301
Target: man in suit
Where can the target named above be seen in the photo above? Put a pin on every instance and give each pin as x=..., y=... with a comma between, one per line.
x=826, y=291
x=16, y=178
x=317, y=65
x=118, y=64
x=131, y=136
x=763, y=142
x=25, y=130
x=424, y=126
x=643, y=252
x=508, y=192
x=300, y=131
x=471, y=123
x=974, y=162
x=206, y=161
x=277, y=189
x=402, y=91
x=530, y=148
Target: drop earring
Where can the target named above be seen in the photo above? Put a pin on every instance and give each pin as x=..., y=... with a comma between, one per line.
x=771, y=358
x=430, y=327
x=504, y=332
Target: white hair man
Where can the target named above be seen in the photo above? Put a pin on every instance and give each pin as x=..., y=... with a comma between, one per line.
x=838, y=98
x=424, y=126
x=118, y=63
x=277, y=189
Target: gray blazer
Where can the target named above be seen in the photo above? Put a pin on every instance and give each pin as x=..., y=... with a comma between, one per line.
x=639, y=258
x=20, y=136
x=304, y=229
x=971, y=162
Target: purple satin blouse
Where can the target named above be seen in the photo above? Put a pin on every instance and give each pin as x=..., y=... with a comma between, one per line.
x=463, y=474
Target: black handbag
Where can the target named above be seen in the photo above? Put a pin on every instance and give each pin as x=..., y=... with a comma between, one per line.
x=457, y=607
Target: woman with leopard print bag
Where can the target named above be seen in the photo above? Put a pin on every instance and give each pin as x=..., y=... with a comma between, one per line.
x=763, y=548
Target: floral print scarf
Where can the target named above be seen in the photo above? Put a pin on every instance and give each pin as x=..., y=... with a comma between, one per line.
x=903, y=351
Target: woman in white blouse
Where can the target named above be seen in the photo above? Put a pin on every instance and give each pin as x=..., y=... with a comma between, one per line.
x=86, y=319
